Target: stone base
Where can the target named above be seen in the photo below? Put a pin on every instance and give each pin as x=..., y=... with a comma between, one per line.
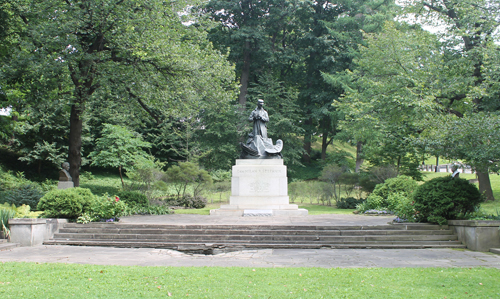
x=259, y=185
x=32, y=232
x=477, y=235
x=65, y=184
x=254, y=212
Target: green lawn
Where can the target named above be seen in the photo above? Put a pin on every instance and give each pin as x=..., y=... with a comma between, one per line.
x=30, y=280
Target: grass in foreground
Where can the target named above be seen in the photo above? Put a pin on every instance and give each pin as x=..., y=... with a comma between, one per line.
x=30, y=280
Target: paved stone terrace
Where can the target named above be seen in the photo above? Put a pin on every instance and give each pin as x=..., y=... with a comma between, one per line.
x=344, y=258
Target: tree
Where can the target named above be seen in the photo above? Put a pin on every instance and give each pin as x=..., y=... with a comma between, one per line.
x=119, y=147
x=394, y=85
x=472, y=139
x=470, y=29
x=112, y=49
x=188, y=173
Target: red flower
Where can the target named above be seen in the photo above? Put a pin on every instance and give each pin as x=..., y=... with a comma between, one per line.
x=117, y=198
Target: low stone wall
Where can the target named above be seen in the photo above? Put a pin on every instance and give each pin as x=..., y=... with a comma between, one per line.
x=32, y=232
x=477, y=235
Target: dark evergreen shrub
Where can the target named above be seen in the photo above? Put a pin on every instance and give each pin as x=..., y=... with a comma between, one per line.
x=66, y=203
x=445, y=198
x=348, y=203
x=24, y=195
x=195, y=202
x=134, y=198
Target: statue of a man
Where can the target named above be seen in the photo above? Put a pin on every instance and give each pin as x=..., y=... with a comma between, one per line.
x=64, y=173
x=260, y=118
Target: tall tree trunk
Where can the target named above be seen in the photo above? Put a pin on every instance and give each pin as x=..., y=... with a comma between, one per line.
x=75, y=143
x=121, y=176
x=245, y=75
x=437, y=163
x=324, y=145
x=485, y=184
x=359, y=151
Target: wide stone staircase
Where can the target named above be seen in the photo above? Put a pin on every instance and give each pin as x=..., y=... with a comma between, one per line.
x=216, y=238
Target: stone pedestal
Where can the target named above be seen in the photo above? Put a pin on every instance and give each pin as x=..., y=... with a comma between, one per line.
x=259, y=187
x=65, y=184
x=32, y=232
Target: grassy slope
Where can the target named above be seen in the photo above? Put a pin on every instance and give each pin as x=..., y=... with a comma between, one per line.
x=30, y=280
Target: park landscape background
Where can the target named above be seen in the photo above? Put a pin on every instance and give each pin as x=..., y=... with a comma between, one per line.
x=148, y=100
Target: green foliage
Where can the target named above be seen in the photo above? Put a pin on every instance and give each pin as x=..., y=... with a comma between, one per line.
x=348, y=203
x=6, y=213
x=188, y=173
x=133, y=198
x=221, y=175
x=145, y=173
x=9, y=180
x=401, y=184
x=107, y=208
x=66, y=203
x=118, y=147
x=149, y=210
x=467, y=139
x=404, y=207
x=386, y=196
x=24, y=195
x=445, y=198
x=332, y=173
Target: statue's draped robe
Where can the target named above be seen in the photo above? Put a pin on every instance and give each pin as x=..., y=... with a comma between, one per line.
x=259, y=125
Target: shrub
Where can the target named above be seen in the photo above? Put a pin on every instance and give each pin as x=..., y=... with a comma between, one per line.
x=150, y=210
x=386, y=196
x=348, y=203
x=25, y=195
x=445, y=198
x=401, y=184
x=194, y=202
x=133, y=198
x=405, y=209
x=107, y=208
x=66, y=203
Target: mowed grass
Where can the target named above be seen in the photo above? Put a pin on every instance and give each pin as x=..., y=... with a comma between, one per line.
x=30, y=280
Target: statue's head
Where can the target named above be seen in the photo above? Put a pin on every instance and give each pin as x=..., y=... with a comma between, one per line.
x=65, y=165
x=260, y=103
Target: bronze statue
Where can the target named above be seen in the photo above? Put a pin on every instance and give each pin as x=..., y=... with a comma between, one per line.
x=258, y=145
x=260, y=118
x=64, y=173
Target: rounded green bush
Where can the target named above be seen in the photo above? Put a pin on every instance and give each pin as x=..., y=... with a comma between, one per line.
x=445, y=198
x=384, y=196
x=66, y=203
x=401, y=184
x=134, y=198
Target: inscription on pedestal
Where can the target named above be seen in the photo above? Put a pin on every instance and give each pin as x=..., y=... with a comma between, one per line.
x=259, y=171
x=259, y=186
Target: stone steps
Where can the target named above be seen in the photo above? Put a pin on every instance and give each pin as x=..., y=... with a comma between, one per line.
x=206, y=238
